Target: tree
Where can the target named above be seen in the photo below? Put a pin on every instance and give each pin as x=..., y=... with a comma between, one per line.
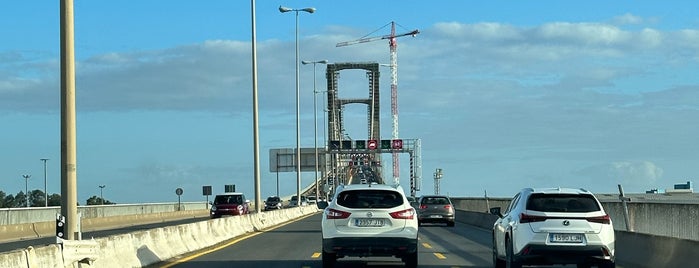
x=36, y=198
x=20, y=200
x=54, y=200
x=9, y=202
x=96, y=200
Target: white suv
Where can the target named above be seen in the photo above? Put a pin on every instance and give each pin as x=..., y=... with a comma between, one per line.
x=366, y=220
x=553, y=226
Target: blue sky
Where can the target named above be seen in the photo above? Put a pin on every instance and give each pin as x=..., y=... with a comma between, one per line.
x=502, y=94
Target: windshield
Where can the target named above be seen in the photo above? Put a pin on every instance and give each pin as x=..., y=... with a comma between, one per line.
x=228, y=199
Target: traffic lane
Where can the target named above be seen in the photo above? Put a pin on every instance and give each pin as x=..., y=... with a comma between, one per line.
x=293, y=244
x=298, y=244
x=462, y=245
x=43, y=241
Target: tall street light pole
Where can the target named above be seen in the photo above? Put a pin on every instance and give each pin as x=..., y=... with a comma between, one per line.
x=26, y=188
x=315, y=119
x=298, y=120
x=46, y=193
x=102, y=198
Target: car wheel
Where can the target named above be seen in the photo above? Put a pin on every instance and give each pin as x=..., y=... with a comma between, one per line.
x=411, y=260
x=497, y=262
x=329, y=259
x=511, y=261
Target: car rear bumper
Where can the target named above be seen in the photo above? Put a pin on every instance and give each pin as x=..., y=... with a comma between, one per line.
x=547, y=254
x=441, y=218
x=369, y=246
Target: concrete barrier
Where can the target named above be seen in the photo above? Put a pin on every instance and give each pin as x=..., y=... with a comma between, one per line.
x=48, y=228
x=147, y=247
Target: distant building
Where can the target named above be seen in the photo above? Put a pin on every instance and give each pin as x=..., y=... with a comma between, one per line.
x=681, y=188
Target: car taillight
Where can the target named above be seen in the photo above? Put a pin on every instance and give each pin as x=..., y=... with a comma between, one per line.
x=601, y=219
x=407, y=214
x=423, y=206
x=447, y=207
x=336, y=214
x=525, y=218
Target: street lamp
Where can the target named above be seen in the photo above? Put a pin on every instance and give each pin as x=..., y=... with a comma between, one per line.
x=46, y=193
x=315, y=118
x=102, y=198
x=26, y=188
x=298, y=120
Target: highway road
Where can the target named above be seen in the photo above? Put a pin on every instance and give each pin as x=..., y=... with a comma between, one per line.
x=298, y=245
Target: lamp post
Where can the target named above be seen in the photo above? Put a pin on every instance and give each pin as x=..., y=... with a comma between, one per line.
x=315, y=118
x=102, y=198
x=26, y=188
x=46, y=193
x=298, y=120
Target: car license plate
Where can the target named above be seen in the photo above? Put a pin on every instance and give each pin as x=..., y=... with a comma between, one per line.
x=566, y=238
x=435, y=216
x=369, y=222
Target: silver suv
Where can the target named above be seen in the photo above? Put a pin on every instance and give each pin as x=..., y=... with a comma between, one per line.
x=553, y=226
x=366, y=220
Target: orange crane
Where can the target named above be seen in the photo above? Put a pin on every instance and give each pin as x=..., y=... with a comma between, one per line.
x=392, y=44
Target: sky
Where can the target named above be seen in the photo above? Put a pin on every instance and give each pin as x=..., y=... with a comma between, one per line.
x=503, y=95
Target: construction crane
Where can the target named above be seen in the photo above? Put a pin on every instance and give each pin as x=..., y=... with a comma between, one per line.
x=392, y=44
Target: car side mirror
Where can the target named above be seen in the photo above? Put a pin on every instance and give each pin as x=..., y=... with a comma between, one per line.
x=247, y=201
x=322, y=204
x=496, y=211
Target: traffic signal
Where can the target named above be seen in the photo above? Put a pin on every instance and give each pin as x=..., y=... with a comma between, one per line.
x=360, y=144
x=335, y=145
x=385, y=144
x=346, y=145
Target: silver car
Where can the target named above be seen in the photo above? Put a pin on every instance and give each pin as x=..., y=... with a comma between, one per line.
x=436, y=209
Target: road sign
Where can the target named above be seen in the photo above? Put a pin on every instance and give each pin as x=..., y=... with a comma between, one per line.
x=372, y=144
x=360, y=144
x=397, y=144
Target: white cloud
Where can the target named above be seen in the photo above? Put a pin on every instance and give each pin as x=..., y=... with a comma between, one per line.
x=628, y=18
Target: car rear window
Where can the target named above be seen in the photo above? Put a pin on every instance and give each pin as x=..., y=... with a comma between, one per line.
x=562, y=203
x=369, y=199
x=436, y=200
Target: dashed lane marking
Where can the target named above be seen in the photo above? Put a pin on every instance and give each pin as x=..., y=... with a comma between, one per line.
x=439, y=255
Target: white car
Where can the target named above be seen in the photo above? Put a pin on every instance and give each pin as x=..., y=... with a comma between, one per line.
x=553, y=226
x=367, y=220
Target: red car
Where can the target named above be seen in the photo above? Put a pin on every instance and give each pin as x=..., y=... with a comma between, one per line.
x=229, y=204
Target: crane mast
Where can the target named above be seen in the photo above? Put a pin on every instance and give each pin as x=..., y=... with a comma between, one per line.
x=393, y=44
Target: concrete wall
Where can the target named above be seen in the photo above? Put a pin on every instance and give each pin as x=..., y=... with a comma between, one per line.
x=9, y=216
x=663, y=219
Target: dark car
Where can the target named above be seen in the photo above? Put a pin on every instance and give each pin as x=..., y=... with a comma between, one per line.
x=435, y=209
x=273, y=202
x=229, y=204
